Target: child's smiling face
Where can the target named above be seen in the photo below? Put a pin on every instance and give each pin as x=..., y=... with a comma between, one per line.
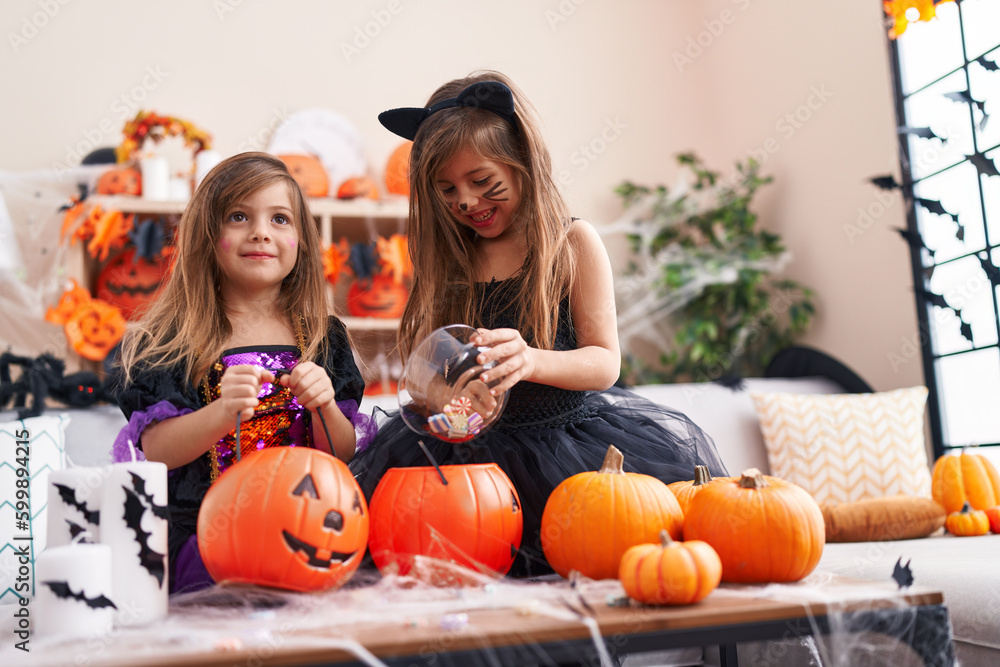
x=481, y=193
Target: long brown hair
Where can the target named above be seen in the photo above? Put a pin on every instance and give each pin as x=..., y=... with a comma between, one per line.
x=443, y=290
x=187, y=323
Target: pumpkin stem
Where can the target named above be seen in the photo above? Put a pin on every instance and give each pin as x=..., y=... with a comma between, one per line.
x=613, y=462
x=752, y=479
x=665, y=540
x=701, y=476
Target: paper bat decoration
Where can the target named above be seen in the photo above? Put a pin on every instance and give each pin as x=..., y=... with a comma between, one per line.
x=68, y=496
x=922, y=132
x=966, y=330
x=965, y=96
x=139, y=484
x=929, y=272
x=914, y=239
x=902, y=574
x=885, y=182
x=148, y=239
x=992, y=272
x=935, y=207
x=984, y=165
x=148, y=558
x=960, y=231
x=936, y=300
x=988, y=65
x=76, y=529
x=64, y=592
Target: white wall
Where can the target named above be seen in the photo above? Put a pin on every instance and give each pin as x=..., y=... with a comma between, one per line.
x=589, y=68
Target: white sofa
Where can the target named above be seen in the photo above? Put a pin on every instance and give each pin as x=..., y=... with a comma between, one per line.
x=965, y=569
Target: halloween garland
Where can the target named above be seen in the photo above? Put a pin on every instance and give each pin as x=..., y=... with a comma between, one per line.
x=150, y=125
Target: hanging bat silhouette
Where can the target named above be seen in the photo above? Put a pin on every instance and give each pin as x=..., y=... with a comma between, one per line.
x=966, y=330
x=935, y=300
x=64, y=592
x=914, y=239
x=75, y=529
x=965, y=96
x=935, y=207
x=992, y=272
x=68, y=496
x=959, y=231
x=987, y=64
x=148, y=239
x=922, y=132
x=929, y=272
x=139, y=484
x=902, y=574
x=984, y=165
x=885, y=182
x=148, y=558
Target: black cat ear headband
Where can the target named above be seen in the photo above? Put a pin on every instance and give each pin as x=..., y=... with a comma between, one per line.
x=491, y=96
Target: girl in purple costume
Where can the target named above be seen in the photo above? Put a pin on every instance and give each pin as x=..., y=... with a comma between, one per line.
x=242, y=328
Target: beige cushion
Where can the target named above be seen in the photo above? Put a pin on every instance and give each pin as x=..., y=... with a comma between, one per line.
x=878, y=519
x=847, y=447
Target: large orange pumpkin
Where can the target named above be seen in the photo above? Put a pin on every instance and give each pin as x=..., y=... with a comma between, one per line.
x=474, y=520
x=967, y=477
x=120, y=181
x=397, y=170
x=670, y=572
x=592, y=518
x=381, y=296
x=286, y=517
x=94, y=328
x=309, y=173
x=763, y=528
x=131, y=284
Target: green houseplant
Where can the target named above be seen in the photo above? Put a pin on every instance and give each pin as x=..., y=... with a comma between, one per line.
x=701, y=280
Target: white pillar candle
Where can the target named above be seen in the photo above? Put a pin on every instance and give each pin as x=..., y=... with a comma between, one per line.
x=155, y=177
x=134, y=525
x=203, y=163
x=74, y=504
x=180, y=189
x=73, y=591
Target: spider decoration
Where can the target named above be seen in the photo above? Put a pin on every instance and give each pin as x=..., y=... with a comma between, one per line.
x=44, y=377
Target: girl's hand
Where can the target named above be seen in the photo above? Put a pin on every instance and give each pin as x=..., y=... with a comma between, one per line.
x=310, y=384
x=239, y=387
x=516, y=360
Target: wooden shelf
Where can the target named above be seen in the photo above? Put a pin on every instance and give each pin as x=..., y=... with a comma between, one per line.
x=394, y=209
x=370, y=323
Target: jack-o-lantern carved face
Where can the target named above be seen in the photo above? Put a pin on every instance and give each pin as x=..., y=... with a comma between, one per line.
x=122, y=181
x=94, y=329
x=379, y=297
x=131, y=284
x=297, y=510
x=309, y=173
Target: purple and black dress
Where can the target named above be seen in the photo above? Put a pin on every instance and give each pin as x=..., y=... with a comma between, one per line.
x=279, y=421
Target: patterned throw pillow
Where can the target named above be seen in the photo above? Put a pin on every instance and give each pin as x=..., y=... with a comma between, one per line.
x=847, y=447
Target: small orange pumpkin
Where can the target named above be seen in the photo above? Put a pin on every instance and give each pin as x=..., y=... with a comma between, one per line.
x=993, y=514
x=397, y=171
x=967, y=477
x=360, y=187
x=684, y=491
x=670, y=572
x=94, y=328
x=120, y=181
x=286, y=517
x=592, y=518
x=309, y=173
x=381, y=296
x=967, y=522
x=764, y=529
x=131, y=284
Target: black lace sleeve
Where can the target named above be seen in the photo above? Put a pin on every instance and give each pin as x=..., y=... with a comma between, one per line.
x=149, y=386
x=339, y=364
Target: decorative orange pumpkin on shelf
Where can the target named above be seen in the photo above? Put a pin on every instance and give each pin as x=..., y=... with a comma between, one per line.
x=379, y=296
x=967, y=522
x=472, y=517
x=94, y=328
x=358, y=188
x=764, y=529
x=285, y=517
x=397, y=170
x=309, y=173
x=962, y=478
x=993, y=515
x=120, y=181
x=592, y=518
x=670, y=572
x=131, y=283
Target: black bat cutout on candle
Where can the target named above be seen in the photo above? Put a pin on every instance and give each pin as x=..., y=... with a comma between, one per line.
x=62, y=591
x=902, y=574
x=296, y=545
x=153, y=561
x=68, y=496
x=139, y=484
x=75, y=529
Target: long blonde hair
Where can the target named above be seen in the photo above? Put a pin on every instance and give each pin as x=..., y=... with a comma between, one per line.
x=187, y=324
x=443, y=290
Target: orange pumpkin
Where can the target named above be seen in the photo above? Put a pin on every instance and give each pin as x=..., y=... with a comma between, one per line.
x=120, y=181
x=94, y=328
x=685, y=491
x=967, y=522
x=763, y=528
x=670, y=572
x=130, y=284
x=967, y=477
x=309, y=173
x=993, y=515
x=286, y=517
x=474, y=520
x=381, y=296
x=354, y=188
x=397, y=170
x=592, y=518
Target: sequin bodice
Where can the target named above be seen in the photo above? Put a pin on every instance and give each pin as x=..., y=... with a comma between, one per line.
x=279, y=420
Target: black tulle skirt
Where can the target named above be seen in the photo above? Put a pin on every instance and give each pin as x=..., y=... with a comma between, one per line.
x=544, y=437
